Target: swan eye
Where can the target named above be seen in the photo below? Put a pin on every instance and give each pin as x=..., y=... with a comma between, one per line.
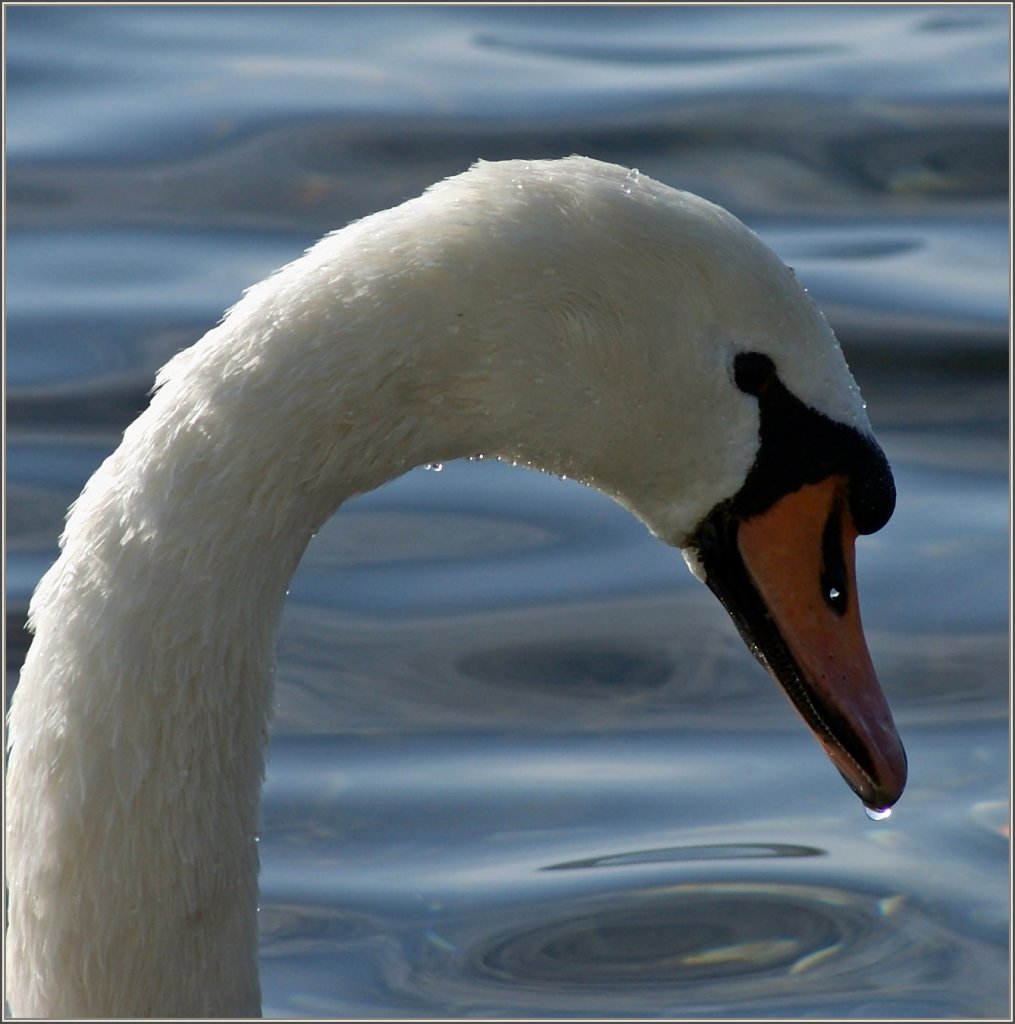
x=753, y=372
x=834, y=580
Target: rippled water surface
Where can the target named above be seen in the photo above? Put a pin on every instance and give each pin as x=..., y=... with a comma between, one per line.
x=522, y=764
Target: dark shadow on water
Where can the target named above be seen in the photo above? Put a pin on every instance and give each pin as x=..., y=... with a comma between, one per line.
x=720, y=851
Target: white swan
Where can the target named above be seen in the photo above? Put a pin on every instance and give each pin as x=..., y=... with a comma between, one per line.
x=570, y=315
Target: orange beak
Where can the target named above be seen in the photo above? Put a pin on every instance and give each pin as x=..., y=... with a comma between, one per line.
x=787, y=577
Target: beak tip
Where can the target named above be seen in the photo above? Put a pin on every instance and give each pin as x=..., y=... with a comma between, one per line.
x=880, y=794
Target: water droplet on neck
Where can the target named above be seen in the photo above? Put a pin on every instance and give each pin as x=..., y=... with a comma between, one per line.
x=434, y=467
x=878, y=815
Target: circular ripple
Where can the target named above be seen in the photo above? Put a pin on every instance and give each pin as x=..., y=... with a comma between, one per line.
x=694, y=934
x=724, y=947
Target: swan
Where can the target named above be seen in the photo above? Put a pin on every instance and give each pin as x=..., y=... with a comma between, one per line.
x=569, y=315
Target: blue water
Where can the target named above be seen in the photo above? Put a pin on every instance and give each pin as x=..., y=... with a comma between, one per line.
x=522, y=765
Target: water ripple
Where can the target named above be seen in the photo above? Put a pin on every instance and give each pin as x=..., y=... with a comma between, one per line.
x=717, y=851
x=716, y=947
x=642, y=54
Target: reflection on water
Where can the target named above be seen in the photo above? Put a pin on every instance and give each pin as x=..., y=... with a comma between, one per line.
x=522, y=764
x=714, y=949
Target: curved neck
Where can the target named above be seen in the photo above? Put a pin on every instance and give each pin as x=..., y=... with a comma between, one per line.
x=564, y=315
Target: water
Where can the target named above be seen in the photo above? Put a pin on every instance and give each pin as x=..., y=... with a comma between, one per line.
x=522, y=765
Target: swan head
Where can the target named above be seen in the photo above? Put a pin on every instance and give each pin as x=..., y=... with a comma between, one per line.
x=779, y=554
x=695, y=381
